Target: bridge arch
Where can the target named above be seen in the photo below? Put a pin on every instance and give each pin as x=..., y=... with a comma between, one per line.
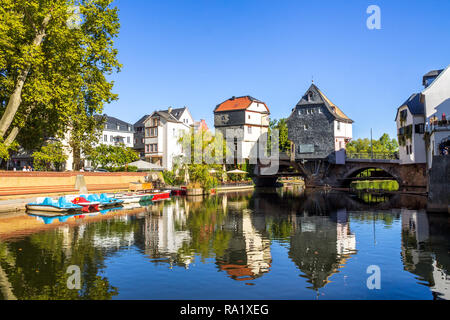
x=385, y=172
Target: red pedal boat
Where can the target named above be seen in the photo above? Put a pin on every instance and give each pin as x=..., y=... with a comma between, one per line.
x=161, y=195
x=88, y=206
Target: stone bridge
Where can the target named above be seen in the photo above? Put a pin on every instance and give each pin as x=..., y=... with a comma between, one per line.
x=323, y=173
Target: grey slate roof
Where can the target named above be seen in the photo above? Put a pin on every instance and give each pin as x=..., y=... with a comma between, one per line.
x=140, y=122
x=111, y=123
x=431, y=74
x=414, y=105
x=173, y=116
x=314, y=96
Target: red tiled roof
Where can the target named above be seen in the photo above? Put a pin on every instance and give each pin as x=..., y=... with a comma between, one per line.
x=239, y=103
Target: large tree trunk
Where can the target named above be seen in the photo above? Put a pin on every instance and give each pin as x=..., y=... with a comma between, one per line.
x=16, y=97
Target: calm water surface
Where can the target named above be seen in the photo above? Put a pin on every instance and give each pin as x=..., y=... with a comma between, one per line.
x=270, y=244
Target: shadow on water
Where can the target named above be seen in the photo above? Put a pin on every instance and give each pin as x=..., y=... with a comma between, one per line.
x=242, y=233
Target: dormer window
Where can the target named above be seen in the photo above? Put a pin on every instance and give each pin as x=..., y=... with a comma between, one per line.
x=310, y=96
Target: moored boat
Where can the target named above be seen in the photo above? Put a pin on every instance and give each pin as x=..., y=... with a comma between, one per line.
x=87, y=206
x=50, y=205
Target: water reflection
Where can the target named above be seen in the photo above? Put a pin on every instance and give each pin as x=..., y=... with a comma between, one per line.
x=424, y=252
x=324, y=238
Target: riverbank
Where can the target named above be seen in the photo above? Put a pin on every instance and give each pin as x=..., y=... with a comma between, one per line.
x=33, y=184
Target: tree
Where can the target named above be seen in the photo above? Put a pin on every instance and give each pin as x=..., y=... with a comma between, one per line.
x=50, y=155
x=112, y=156
x=383, y=145
x=53, y=66
x=198, y=167
x=281, y=126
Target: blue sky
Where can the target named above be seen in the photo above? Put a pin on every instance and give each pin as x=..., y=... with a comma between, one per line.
x=200, y=53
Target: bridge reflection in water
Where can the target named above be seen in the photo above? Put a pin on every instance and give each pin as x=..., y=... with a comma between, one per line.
x=286, y=243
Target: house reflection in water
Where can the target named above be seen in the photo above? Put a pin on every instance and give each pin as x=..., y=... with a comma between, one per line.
x=248, y=255
x=164, y=235
x=422, y=251
x=321, y=245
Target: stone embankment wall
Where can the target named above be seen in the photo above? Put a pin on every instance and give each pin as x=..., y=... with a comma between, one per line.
x=439, y=185
x=32, y=183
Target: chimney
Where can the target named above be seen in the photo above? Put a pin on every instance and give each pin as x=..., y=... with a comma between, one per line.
x=170, y=110
x=233, y=98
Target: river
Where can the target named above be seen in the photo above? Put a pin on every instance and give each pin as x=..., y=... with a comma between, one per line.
x=266, y=244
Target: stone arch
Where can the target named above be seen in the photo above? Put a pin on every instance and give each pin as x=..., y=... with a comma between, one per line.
x=391, y=172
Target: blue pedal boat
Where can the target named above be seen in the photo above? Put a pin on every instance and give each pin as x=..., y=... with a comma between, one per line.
x=104, y=200
x=50, y=205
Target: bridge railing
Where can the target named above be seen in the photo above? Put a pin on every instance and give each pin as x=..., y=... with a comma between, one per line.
x=375, y=156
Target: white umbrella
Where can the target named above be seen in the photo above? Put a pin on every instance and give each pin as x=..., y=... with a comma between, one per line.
x=147, y=166
x=237, y=171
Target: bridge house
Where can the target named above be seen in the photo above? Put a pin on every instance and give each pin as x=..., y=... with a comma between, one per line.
x=246, y=118
x=318, y=129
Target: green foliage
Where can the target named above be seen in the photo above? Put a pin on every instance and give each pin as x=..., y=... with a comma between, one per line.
x=64, y=75
x=122, y=169
x=198, y=168
x=50, y=155
x=383, y=145
x=388, y=185
x=281, y=125
x=112, y=156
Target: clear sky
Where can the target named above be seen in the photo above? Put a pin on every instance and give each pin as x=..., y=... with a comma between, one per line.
x=200, y=53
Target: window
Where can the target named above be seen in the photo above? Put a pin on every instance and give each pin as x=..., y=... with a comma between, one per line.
x=111, y=139
x=305, y=127
x=249, y=130
x=338, y=125
x=128, y=139
x=105, y=138
x=403, y=114
x=143, y=140
x=419, y=128
x=319, y=110
x=249, y=116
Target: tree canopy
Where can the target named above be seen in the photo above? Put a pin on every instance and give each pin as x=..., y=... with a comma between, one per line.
x=383, y=145
x=55, y=56
x=111, y=156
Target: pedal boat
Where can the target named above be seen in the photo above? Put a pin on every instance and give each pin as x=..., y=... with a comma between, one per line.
x=50, y=205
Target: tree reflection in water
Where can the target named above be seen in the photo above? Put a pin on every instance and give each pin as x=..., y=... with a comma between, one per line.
x=235, y=231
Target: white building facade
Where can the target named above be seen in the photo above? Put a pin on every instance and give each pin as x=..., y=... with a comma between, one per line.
x=163, y=130
x=436, y=100
x=410, y=131
x=244, y=119
x=116, y=132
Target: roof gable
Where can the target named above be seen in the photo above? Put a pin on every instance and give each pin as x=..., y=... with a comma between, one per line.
x=437, y=80
x=414, y=105
x=314, y=96
x=238, y=103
